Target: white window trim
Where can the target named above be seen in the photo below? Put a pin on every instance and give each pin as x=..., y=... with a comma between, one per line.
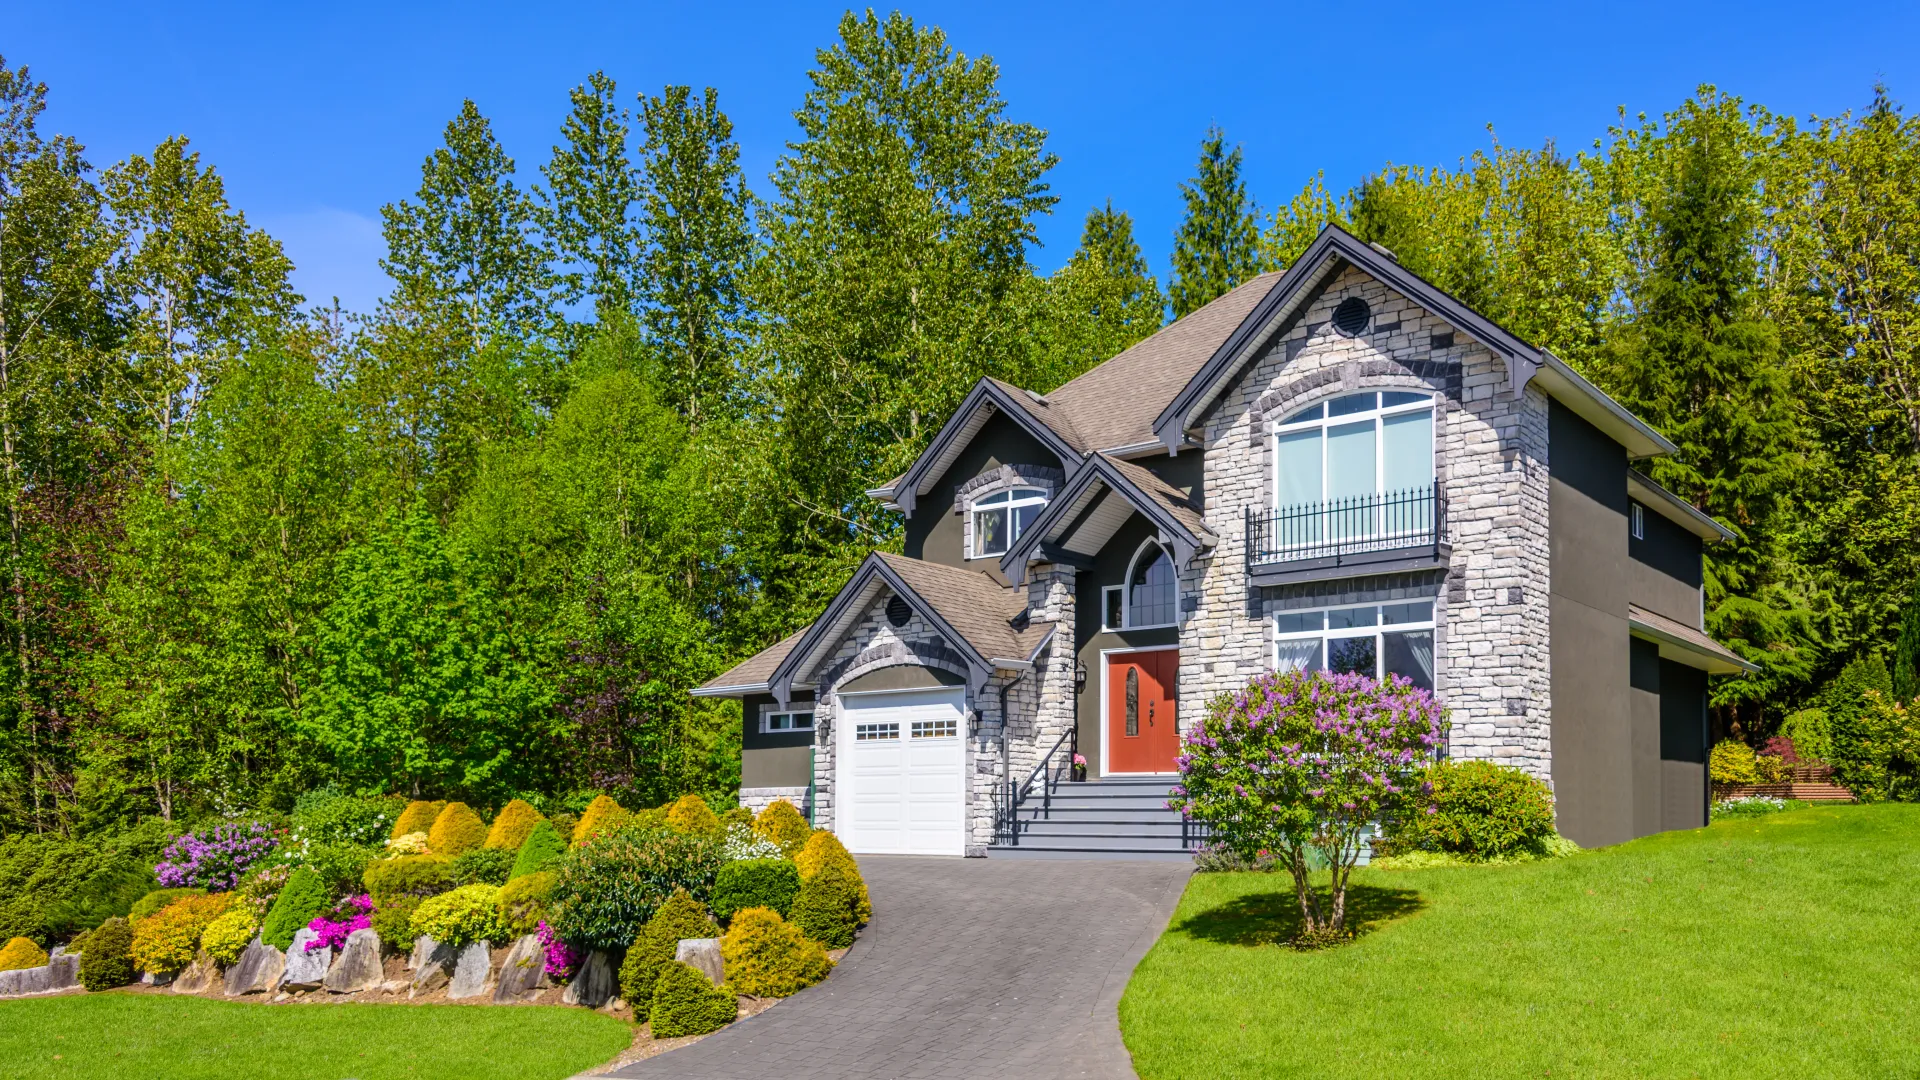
x=1637, y=521
x=1013, y=537
x=767, y=711
x=1105, y=590
x=1379, y=627
x=1126, y=590
x=1377, y=414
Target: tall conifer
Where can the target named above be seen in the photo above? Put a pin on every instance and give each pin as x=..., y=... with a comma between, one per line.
x=1218, y=243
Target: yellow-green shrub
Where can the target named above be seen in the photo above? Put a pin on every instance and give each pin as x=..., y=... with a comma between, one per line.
x=690, y=813
x=822, y=848
x=226, y=937
x=739, y=815
x=413, y=843
x=468, y=914
x=417, y=817
x=168, y=939
x=510, y=829
x=1732, y=762
x=781, y=823
x=602, y=815
x=685, y=1003
x=523, y=902
x=104, y=963
x=680, y=917
x=456, y=831
x=827, y=907
x=766, y=956
x=21, y=953
x=408, y=875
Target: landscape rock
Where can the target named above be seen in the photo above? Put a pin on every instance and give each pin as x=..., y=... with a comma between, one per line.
x=257, y=971
x=471, y=972
x=523, y=971
x=306, y=970
x=433, y=965
x=64, y=970
x=33, y=980
x=593, y=985
x=393, y=986
x=358, y=967
x=201, y=975
x=702, y=955
x=424, y=948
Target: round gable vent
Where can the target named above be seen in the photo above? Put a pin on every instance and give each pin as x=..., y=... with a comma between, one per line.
x=1352, y=316
x=899, y=612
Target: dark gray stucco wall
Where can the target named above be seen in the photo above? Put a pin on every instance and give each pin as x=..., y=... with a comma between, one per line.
x=1683, y=746
x=1109, y=568
x=1186, y=471
x=1594, y=744
x=1666, y=569
x=936, y=532
x=900, y=677
x=773, y=759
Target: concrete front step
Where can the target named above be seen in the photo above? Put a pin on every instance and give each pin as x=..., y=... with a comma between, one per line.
x=1025, y=851
x=1168, y=826
x=1118, y=818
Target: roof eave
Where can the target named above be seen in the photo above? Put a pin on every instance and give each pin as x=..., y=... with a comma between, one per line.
x=1724, y=661
x=906, y=489
x=1098, y=470
x=1592, y=404
x=1676, y=509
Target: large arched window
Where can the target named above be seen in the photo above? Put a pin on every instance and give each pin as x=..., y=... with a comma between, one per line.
x=1358, y=466
x=1152, y=591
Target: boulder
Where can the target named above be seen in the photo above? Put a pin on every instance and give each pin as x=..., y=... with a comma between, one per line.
x=358, y=967
x=703, y=956
x=424, y=948
x=433, y=965
x=305, y=970
x=593, y=985
x=64, y=970
x=522, y=972
x=33, y=980
x=201, y=975
x=257, y=971
x=471, y=972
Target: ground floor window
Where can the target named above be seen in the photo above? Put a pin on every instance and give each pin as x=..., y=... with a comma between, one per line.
x=1371, y=639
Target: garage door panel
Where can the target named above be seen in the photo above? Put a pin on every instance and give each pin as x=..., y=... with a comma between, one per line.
x=906, y=773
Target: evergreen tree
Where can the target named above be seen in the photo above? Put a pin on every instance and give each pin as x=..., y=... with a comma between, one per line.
x=700, y=249
x=1096, y=306
x=1906, y=652
x=590, y=201
x=1218, y=243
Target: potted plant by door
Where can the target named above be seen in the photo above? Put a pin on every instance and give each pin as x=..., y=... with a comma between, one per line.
x=1079, y=767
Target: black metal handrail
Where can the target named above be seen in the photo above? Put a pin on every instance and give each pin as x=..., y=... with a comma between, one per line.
x=1007, y=800
x=1387, y=521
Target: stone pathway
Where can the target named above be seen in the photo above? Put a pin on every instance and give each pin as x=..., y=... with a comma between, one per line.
x=972, y=968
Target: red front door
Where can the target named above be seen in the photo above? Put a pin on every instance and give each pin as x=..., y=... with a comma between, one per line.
x=1143, y=735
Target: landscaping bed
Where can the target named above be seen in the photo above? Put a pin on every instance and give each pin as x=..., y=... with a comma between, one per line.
x=1778, y=945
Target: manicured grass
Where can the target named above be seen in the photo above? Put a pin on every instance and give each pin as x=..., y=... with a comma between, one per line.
x=151, y=1036
x=1786, y=945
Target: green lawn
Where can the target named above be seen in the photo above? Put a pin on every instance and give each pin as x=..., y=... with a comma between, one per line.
x=1786, y=945
x=141, y=1036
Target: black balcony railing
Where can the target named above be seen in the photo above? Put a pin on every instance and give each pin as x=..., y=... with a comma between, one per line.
x=1388, y=521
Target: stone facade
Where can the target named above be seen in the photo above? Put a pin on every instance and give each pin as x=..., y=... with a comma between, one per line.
x=757, y=798
x=1491, y=460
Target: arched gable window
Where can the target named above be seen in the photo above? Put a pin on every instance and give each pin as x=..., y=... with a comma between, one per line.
x=1153, y=592
x=998, y=520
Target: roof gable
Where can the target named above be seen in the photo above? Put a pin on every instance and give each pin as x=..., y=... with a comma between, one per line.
x=1172, y=514
x=988, y=396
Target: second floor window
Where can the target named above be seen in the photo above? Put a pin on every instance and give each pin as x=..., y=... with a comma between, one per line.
x=1356, y=446
x=998, y=520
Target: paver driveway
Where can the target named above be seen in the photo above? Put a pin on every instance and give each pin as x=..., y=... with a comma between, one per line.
x=971, y=968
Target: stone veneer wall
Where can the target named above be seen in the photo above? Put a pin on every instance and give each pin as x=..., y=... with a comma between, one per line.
x=757, y=798
x=1490, y=456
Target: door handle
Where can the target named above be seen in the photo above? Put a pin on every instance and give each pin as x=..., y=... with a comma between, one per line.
x=1150, y=707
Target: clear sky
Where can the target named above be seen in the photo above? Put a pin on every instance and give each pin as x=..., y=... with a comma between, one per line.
x=318, y=117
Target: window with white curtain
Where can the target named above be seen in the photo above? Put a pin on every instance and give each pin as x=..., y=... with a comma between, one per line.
x=1359, y=445
x=998, y=520
x=1370, y=639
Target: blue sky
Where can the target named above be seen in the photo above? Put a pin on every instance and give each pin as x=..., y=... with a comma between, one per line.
x=318, y=117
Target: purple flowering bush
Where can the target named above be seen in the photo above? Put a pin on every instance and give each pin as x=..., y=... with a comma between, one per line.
x=215, y=859
x=346, y=916
x=561, y=957
x=1304, y=760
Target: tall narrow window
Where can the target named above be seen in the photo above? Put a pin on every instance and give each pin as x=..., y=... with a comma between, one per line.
x=1637, y=520
x=1133, y=702
x=998, y=520
x=1152, y=592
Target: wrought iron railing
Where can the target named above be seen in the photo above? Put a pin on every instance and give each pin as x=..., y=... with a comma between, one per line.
x=1054, y=768
x=1337, y=528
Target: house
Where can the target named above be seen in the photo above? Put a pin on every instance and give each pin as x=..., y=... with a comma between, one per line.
x=1339, y=466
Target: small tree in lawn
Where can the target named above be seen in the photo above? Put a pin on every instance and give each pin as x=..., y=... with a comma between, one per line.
x=1306, y=760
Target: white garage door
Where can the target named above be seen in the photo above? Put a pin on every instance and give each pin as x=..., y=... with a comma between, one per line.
x=900, y=779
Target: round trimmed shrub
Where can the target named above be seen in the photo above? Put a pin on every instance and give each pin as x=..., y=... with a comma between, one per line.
x=226, y=937
x=510, y=828
x=409, y=875
x=766, y=956
x=418, y=817
x=739, y=815
x=823, y=849
x=393, y=921
x=468, y=914
x=767, y=883
x=1480, y=810
x=168, y=939
x=21, y=953
x=483, y=866
x=690, y=813
x=781, y=823
x=605, y=890
x=456, y=831
x=1733, y=762
x=827, y=908
x=537, y=852
x=685, y=1003
x=105, y=963
x=149, y=905
x=601, y=816
x=680, y=917
x=302, y=898
x=523, y=902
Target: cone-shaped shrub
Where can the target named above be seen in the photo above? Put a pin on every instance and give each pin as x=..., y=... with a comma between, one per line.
x=541, y=847
x=456, y=831
x=104, y=963
x=602, y=815
x=767, y=883
x=417, y=817
x=823, y=848
x=21, y=953
x=685, y=1003
x=827, y=908
x=766, y=956
x=690, y=813
x=301, y=900
x=680, y=917
x=783, y=825
x=510, y=829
